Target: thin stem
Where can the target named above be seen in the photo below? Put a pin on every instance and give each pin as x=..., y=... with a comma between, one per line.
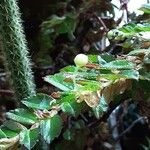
x=141, y=119
x=99, y=19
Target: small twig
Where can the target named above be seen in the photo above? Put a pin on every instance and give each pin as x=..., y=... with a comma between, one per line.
x=69, y=122
x=124, y=7
x=103, y=24
x=44, y=67
x=84, y=118
x=130, y=127
x=99, y=19
x=6, y=92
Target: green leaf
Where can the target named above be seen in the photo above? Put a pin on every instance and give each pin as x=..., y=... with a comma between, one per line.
x=68, y=25
x=70, y=106
x=65, y=24
x=119, y=64
x=131, y=29
x=29, y=138
x=58, y=81
x=2, y=134
x=93, y=58
x=9, y=133
x=139, y=51
x=84, y=75
x=51, y=128
x=128, y=29
x=39, y=101
x=68, y=69
x=143, y=28
x=88, y=85
x=55, y=20
x=145, y=8
x=101, y=60
x=111, y=77
x=107, y=57
x=101, y=108
x=23, y=116
x=132, y=74
x=15, y=126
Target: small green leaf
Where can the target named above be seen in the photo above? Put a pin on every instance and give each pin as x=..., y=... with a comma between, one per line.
x=70, y=106
x=28, y=138
x=101, y=108
x=40, y=101
x=23, y=116
x=68, y=69
x=2, y=134
x=55, y=20
x=101, y=60
x=107, y=57
x=110, y=77
x=139, y=51
x=88, y=85
x=87, y=75
x=93, y=58
x=9, y=133
x=15, y=126
x=145, y=8
x=68, y=25
x=132, y=74
x=58, y=81
x=51, y=128
x=119, y=64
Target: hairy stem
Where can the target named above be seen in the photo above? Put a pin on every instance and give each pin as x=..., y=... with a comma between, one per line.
x=15, y=49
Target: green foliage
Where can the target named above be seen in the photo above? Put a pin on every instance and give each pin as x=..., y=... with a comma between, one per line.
x=70, y=106
x=58, y=81
x=101, y=108
x=95, y=89
x=28, y=138
x=51, y=128
x=57, y=25
x=119, y=64
x=145, y=8
x=81, y=90
x=40, y=101
x=22, y=115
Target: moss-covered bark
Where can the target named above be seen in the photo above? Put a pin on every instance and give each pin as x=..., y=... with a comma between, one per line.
x=15, y=49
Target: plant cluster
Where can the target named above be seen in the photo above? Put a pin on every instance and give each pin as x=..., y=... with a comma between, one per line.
x=85, y=91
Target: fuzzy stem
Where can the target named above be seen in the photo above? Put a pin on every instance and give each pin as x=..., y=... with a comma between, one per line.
x=15, y=49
